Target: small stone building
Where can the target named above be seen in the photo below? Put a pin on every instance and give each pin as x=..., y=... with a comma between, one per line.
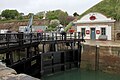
x=96, y=26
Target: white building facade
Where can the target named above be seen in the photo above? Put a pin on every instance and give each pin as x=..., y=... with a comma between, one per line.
x=3, y=30
x=96, y=26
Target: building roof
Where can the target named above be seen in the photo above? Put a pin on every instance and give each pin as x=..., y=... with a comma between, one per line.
x=95, y=18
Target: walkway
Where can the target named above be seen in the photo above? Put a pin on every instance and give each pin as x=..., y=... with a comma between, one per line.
x=102, y=43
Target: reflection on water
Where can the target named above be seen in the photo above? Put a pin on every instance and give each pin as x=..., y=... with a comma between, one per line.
x=82, y=75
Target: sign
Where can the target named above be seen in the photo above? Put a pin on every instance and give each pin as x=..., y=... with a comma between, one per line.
x=97, y=31
x=87, y=31
x=92, y=17
x=71, y=30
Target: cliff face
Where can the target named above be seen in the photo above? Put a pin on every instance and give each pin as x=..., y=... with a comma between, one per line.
x=14, y=26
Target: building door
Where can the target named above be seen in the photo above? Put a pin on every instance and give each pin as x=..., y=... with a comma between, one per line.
x=93, y=35
x=83, y=31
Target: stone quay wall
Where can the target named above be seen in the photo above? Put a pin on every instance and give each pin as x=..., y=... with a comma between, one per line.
x=108, y=59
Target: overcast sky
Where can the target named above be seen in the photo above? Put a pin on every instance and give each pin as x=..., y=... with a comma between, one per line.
x=34, y=6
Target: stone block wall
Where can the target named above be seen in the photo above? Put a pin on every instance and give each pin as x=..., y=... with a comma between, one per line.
x=109, y=58
x=88, y=57
x=117, y=30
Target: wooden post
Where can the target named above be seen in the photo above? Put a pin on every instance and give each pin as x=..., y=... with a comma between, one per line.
x=41, y=65
x=78, y=35
x=20, y=38
x=8, y=62
x=97, y=58
x=28, y=52
x=19, y=53
x=63, y=61
x=56, y=36
x=43, y=47
x=35, y=50
x=79, y=53
x=11, y=58
x=53, y=62
x=8, y=39
x=52, y=36
x=30, y=38
x=37, y=36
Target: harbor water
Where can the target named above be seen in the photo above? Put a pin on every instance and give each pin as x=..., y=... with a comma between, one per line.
x=78, y=74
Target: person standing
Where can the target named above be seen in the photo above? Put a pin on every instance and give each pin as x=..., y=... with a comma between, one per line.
x=63, y=33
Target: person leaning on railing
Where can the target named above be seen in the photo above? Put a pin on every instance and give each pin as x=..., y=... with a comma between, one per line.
x=63, y=33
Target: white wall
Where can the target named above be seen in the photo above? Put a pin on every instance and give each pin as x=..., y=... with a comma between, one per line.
x=3, y=31
x=108, y=32
x=97, y=27
x=99, y=18
x=22, y=28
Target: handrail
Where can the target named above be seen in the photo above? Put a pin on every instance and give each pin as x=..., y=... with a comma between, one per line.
x=22, y=38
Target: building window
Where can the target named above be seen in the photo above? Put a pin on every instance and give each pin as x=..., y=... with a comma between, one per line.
x=83, y=31
x=103, y=31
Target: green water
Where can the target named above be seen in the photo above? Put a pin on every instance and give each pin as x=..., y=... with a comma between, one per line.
x=82, y=75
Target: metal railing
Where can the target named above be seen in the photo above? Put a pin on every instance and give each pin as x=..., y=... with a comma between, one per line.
x=23, y=38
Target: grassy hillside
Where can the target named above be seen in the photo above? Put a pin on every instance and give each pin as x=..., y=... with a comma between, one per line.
x=110, y=8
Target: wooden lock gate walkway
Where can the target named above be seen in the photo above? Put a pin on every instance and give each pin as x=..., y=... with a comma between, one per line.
x=28, y=53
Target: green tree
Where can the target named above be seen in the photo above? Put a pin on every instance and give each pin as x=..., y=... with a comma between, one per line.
x=51, y=15
x=57, y=14
x=20, y=16
x=10, y=14
x=62, y=17
x=53, y=24
x=29, y=14
x=41, y=15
